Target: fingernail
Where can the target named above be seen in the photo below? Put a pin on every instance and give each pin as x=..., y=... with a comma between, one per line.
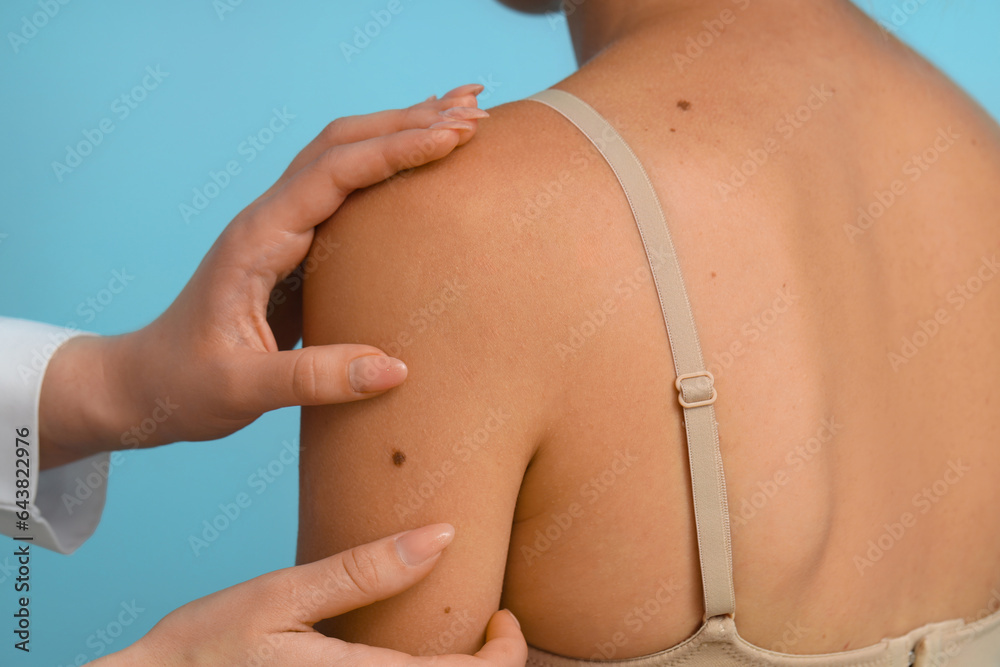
x=375, y=372
x=432, y=97
x=420, y=545
x=464, y=113
x=467, y=89
x=453, y=125
x=516, y=622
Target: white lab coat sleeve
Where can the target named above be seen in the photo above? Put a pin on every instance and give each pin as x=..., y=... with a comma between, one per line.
x=65, y=503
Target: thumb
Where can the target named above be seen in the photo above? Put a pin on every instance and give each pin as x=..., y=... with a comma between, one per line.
x=366, y=574
x=321, y=374
x=505, y=645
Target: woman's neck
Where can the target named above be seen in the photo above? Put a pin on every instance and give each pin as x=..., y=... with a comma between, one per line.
x=594, y=25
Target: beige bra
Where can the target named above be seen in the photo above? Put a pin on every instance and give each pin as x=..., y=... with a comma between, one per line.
x=716, y=643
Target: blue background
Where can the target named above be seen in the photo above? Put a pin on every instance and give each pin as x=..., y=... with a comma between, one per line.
x=60, y=240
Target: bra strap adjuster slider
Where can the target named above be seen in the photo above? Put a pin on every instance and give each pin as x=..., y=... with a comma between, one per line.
x=697, y=389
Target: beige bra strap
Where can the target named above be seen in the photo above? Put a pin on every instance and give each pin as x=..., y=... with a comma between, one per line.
x=694, y=383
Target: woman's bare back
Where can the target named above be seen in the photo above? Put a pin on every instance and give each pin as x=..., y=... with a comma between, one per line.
x=834, y=205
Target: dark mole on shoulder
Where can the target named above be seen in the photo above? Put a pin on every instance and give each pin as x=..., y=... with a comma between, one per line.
x=683, y=105
x=447, y=610
x=713, y=274
x=673, y=130
x=398, y=458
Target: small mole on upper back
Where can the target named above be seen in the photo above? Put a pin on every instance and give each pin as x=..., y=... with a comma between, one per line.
x=713, y=274
x=447, y=610
x=398, y=458
x=683, y=105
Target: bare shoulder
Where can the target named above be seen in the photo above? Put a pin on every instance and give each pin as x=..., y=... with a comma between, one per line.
x=435, y=267
x=471, y=234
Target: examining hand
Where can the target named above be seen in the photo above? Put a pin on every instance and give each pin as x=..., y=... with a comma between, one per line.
x=210, y=364
x=268, y=620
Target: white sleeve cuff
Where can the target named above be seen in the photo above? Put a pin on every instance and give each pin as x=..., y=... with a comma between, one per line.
x=65, y=503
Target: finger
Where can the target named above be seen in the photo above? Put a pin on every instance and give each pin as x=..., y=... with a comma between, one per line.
x=468, y=89
x=365, y=574
x=306, y=649
x=312, y=649
x=358, y=128
x=505, y=645
x=313, y=194
x=350, y=129
x=317, y=375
